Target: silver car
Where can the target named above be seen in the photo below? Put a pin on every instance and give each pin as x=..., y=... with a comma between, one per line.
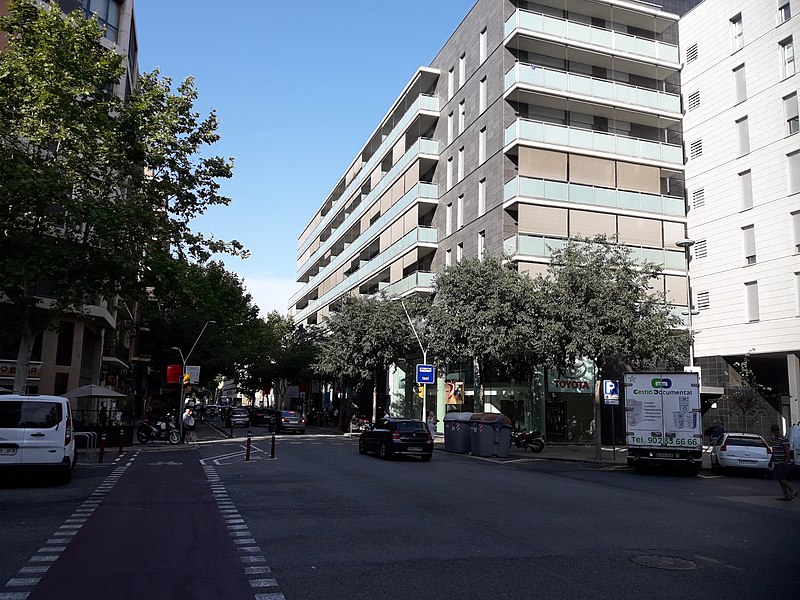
x=238, y=417
x=741, y=451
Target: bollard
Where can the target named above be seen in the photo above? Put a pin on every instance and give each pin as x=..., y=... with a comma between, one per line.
x=247, y=452
x=121, y=436
x=102, y=448
x=273, y=445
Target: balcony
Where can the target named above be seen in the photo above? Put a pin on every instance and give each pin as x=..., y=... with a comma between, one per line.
x=541, y=246
x=597, y=39
x=560, y=191
x=422, y=103
x=591, y=88
x=565, y=137
x=421, y=191
x=420, y=236
x=419, y=281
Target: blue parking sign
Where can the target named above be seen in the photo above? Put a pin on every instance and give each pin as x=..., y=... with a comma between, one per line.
x=611, y=391
x=426, y=374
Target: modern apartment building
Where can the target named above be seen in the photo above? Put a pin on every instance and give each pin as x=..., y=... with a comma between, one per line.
x=743, y=185
x=535, y=122
x=91, y=348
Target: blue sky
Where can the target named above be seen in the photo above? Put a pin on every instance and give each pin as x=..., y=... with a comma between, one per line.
x=298, y=88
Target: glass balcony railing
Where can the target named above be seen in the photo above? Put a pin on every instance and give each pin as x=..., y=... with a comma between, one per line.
x=600, y=38
x=419, y=235
x=421, y=190
x=423, y=102
x=561, y=191
x=543, y=246
x=622, y=93
x=420, y=279
x=574, y=137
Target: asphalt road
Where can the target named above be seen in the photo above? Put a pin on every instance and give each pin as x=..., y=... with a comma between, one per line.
x=321, y=521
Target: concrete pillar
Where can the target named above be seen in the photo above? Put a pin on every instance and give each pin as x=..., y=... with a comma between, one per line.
x=793, y=367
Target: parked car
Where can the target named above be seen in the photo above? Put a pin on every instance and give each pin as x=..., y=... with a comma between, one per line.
x=393, y=436
x=260, y=415
x=745, y=451
x=36, y=434
x=288, y=420
x=237, y=417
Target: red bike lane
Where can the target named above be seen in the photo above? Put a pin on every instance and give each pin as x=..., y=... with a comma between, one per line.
x=157, y=534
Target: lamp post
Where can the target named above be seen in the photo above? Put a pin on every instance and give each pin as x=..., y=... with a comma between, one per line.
x=687, y=244
x=184, y=360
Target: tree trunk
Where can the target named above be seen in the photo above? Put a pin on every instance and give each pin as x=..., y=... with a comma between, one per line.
x=375, y=397
x=23, y=356
x=477, y=402
x=598, y=438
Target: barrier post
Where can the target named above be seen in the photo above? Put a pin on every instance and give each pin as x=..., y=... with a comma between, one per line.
x=121, y=437
x=102, y=448
x=247, y=452
x=273, y=445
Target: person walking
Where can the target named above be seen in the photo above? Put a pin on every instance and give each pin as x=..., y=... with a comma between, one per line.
x=188, y=426
x=780, y=463
x=432, y=421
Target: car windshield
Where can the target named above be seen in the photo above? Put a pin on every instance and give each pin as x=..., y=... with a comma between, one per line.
x=239, y=411
x=407, y=426
x=749, y=442
x=289, y=413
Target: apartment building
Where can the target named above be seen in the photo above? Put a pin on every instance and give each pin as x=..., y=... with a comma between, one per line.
x=535, y=122
x=95, y=347
x=743, y=183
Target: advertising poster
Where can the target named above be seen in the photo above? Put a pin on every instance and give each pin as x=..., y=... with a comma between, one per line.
x=663, y=409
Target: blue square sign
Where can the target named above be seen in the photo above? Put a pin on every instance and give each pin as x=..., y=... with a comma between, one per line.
x=426, y=374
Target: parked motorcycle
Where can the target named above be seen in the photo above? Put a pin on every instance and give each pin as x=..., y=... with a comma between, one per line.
x=163, y=430
x=530, y=440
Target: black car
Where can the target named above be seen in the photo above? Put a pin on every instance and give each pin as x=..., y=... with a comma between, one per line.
x=391, y=436
x=260, y=415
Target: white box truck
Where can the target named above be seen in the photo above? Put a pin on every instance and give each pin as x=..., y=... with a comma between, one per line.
x=662, y=416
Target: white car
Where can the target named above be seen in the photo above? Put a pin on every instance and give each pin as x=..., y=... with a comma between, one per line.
x=36, y=434
x=741, y=451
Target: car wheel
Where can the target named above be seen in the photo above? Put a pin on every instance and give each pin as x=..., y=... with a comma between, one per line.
x=362, y=447
x=427, y=457
x=383, y=451
x=142, y=437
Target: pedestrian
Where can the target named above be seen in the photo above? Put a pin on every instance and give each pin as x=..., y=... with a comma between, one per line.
x=103, y=417
x=432, y=421
x=780, y=463
x=717, y=432
x=188, y=426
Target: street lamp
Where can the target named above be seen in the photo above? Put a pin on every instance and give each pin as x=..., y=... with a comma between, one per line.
x=687, y=244
x=184, y=360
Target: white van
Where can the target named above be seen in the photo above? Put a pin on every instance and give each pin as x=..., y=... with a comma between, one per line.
x=36, y=434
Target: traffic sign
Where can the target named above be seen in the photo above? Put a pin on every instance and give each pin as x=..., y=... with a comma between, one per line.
x=426, y=374
x=611, y=391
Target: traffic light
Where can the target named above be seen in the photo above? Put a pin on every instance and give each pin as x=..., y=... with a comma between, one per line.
x=186, y=378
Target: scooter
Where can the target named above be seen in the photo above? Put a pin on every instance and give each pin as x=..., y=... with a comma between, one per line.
x=530, y=440
x=163, y=430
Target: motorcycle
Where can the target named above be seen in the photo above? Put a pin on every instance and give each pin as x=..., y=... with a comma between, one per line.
x=530, y=440
x=163, y=430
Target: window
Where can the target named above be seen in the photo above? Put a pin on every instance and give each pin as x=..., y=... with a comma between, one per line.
x=448, y=226
x=66, y=338
x=482, y=146
x=460, y=212
x=737, y=33
x=448, y=258
x=107, y=12
x=796, y=227
x=481, y=244
x=699, y=198
x=451, y=83
x=459, y=252
x=743, y=135
x=696, y=149
x=784, y=11
x=745, y=190
x=462, y=69
x=693, y=101
x=462, y=116
x=793, y=166
x=701, y=249
x=460, y=164
x=482, y=197
x=703, y=301
x=449, y=174
x=797, y=288
x=739, y=85
x=482, y=95
x=751, y=292
x=790, y=114
x=483, y=45
x=691, y=53
x=787, y=57
x=749, y=244
x=449, y=129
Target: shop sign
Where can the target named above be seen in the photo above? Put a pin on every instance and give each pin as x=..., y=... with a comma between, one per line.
x=578, y=380
x=8, y=369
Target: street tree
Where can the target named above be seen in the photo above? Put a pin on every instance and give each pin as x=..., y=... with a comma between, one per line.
x=747, y=395
x=598, y=305
x=363, y=337
x=486, y=312
x=96, y=191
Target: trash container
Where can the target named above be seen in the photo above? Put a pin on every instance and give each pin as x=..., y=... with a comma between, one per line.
x=456, y=432
x=490, y=434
